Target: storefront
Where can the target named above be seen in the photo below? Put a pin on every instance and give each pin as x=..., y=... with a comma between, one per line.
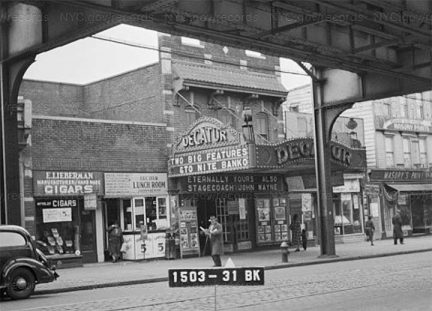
x=410, y=191
x=66, y=207
x=139, y=203
x=255, y=190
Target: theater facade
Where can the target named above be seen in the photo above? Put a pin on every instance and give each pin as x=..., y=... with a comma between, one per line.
x=255, y=189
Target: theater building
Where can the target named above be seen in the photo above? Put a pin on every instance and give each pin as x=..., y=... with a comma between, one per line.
x=254, y=188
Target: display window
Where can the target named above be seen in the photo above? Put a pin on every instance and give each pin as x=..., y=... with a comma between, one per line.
x=57, y=225
x=347, y=213
x=272, y=220
x=151, y=211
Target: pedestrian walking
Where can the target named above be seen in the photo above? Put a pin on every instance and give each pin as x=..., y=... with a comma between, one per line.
x=370, y=229
x=115, y=241
x=397, y=228
x=296, y=232
x=214, y=234
x=304, y=239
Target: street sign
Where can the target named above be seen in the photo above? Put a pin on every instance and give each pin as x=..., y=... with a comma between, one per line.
x=219, y=276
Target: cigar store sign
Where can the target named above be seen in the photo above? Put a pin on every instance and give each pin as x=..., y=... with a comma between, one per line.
x=60, y=183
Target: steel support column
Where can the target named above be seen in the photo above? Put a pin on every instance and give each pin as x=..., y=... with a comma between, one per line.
x=324, y=118
x=13, y=36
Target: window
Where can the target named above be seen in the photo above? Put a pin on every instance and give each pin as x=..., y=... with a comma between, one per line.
x=404, y=107
x=389, y=151
x=415, y=146
x=302, y=126
x=407, y=152
x=419, y=106
x=261, y=126
x=191, y=115
x=11, y=239
x=386, y=109
x=423, y=154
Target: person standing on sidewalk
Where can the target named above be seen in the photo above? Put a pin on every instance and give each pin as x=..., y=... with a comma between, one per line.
x=296, y=232
x=214, y=233
x=397, y=228
x=115, y=240
x=370, y=229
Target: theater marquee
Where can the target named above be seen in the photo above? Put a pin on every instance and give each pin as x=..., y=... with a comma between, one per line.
x=210, y=147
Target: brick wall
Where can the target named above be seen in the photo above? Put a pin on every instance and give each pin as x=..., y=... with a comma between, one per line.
x=54, y=99
x=106, y=147
x=134, y=96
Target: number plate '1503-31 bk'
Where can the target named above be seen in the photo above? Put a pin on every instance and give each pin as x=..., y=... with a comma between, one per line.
x=218, y=276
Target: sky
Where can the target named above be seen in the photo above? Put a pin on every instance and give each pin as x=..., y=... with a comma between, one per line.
x=88, y=60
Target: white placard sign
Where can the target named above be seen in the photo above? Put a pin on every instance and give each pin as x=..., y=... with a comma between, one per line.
x=242, y=208
x=135, y=184
x=56, y=214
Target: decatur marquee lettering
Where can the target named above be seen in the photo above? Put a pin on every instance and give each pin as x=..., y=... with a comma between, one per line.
x=304, y=149
x=204, y=135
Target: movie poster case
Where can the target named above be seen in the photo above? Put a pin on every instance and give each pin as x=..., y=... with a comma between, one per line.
x=272, y=224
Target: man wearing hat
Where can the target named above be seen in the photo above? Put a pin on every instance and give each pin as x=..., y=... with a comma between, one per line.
x=214, y=232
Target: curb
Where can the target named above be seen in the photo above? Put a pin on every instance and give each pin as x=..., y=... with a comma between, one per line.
x=273, y=267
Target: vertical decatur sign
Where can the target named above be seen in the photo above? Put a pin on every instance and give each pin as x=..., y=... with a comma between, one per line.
x=61, y=183
x=209, y=147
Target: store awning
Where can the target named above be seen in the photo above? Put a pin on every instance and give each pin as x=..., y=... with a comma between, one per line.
x=410, y=187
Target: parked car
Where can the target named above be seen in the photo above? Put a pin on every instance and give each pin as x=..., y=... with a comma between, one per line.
x=22, y=264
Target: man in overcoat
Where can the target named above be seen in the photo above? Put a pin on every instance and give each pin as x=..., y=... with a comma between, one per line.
x=214, y=233
x=397, y=228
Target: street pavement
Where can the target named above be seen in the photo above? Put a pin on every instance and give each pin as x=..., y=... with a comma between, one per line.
x=109, y=274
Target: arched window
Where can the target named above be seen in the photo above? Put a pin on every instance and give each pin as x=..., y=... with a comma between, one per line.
x=261, y=126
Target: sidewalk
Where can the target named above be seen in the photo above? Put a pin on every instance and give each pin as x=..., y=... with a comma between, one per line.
x=127, y=272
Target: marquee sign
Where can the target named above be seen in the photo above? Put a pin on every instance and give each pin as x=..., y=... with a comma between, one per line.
x=206, y=133
x=232, y=183
x=210, y=147
x=301, y=151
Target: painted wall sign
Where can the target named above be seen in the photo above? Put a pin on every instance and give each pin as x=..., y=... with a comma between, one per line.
x=232, y=183
x=58, y=183
x=232, y=158
x=135, y=184
x=401, y=175
x=406, y=125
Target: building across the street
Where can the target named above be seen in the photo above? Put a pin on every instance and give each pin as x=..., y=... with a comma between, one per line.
x=161, y=148
x=398, y=140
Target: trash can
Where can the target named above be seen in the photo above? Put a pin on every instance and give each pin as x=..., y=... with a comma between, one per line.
x=170, y=247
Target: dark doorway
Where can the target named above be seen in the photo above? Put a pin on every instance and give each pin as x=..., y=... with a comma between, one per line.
x=88, y=235
x=205, y=209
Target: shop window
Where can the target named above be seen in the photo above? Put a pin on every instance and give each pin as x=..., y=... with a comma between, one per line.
x=389, y=151
x=139, y=212
x=127, y=215
x=407, y=152
x=347, y=213
x=58, y=225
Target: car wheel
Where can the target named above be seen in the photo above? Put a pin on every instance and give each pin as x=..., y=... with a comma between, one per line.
x=22, y=284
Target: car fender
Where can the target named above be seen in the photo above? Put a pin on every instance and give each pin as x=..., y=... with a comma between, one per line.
x=42, y=273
